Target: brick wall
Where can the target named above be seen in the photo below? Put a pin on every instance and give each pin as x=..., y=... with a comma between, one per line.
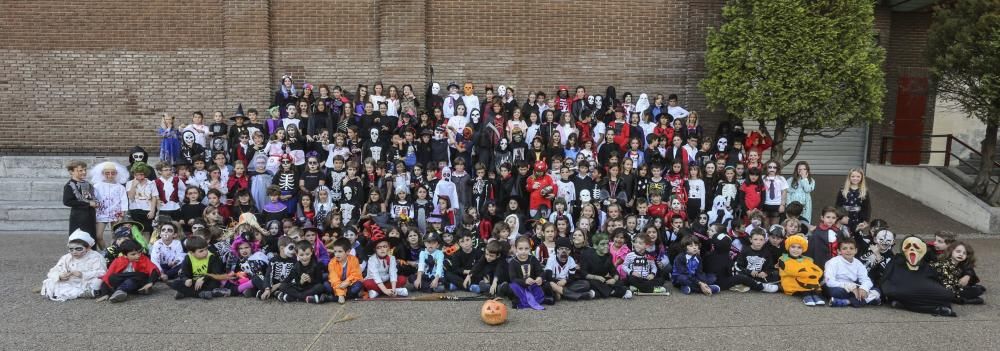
x=99, y=81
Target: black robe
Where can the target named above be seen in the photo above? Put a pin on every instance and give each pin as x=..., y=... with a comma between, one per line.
x=919, y=291
x=77, y=196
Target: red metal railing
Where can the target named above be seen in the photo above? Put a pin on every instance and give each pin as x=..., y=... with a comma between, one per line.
x=948, y=152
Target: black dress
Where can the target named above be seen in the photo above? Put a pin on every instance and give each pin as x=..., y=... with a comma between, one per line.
x=77, y=196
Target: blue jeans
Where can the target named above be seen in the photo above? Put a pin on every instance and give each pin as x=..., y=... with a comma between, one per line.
x=841, y=293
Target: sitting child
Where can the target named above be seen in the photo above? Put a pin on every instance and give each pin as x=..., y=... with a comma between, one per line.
x=754, y=267
x=956, y=267
x=279, y=267
x=596, y=266
x=688, y=273
x=305, y=281
x=525, y=276
x=78, y=273
x=131, y=272
x=799, y=275
x=458, y=266
x=490, y=271
x=166, y=252
x=640, y=271
x=846, y=279
x=344, y=271
x=383, y=276
x=202, y=273
x=560, y=275
x=430, y=265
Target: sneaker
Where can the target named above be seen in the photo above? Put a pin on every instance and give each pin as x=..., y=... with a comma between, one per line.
x=341, y=300
x=474, y=288
x=819, y=300
x=808, y=300
x=628, y=294
x=716, y=289
x=659, y=290
x=944, y=312
x=633, y=289
x=402, y=292
x=221, y=292
x=548, y=300
x=179, y=295
x=207, y=295
x=90, y=293
x=248, y=293
x=452, y=287
x=770, y=288
x=260, y=294
x=314, y=299
x=283, y=297
x=118, y=296
x=835, y=302
x=439, y=289
x=372, y=294
x=592, y=294
x=739, y=288
x=324, y=298
x=686, y=290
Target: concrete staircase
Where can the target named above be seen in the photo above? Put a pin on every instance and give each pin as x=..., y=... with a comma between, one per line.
x=31, y=192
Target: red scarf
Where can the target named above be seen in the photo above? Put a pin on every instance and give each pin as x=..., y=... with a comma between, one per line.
x=163, y=197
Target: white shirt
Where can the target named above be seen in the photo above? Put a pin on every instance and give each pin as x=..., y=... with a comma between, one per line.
x=677, y=112
x=780, y=184
x=143, y=193
x=599, y=130
x=838, y=272
x=471, y=102
x=200, y=133
x=161, y=253
x=168, y=188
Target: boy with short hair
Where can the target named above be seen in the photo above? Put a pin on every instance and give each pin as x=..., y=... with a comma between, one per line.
x=78, y=194
x=131, y=272
x=169, y=189
x=458, y=267
x=383, y=277
x=846, y=279
x=640, y=270
x=942, y=239
x=305, y=281
x=754, y=267
x=824, y=240
x=202, y=273
x=688, y=272
x=430, y=265
x=345, y=274
x=560, y=275
x=490, y=271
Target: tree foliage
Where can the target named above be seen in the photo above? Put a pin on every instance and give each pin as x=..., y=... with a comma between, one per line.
x=811, y=65
x=964, y=49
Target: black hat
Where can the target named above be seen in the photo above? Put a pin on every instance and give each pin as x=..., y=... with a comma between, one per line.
x=239, y=113
x=564, y=242
x=432, y=237
x=453, y=84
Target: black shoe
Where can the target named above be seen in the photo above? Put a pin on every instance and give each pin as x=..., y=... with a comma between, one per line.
x=945, y=312
x=548, y=300
x=326, y=298
x=972, y=301
x=207, y=295
x=313, y=299
x=260, y=294
x=179, y=295
x=248, y=293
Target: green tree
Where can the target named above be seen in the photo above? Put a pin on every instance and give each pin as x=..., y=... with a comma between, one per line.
x=808, y=65
x=964, y=49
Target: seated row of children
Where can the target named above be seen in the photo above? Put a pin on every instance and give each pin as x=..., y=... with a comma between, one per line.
x=823, y=266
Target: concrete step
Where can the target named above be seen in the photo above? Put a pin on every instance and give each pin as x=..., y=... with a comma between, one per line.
x=33, y=216
x=50, y=166
x=31, y=189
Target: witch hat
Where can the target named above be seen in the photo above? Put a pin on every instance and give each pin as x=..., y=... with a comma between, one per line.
x=239, y=113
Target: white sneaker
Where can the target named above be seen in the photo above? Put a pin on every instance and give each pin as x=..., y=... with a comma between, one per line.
x=402, y=292
x=372, y=294
x=628, y=294
x=770, y=288
x=592, y=294
x=819, y=301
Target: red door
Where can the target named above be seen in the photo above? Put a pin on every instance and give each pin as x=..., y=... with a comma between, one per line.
x=911, y=104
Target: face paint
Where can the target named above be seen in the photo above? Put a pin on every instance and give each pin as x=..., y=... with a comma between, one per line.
x=585, y=195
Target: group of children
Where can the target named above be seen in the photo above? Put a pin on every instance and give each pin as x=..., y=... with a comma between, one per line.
x=573, y=197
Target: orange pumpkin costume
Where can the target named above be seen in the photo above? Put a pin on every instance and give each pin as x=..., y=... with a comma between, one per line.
x=798, y=274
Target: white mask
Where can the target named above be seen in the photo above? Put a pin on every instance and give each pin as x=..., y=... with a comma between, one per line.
x=590, y=100
x=435, y=88
x=348, y=193
x=136, y=157
x=722, y=144
x=475, y=116
x=188, y=137
x=503, y=144
x=598, y=101
x=374, y=135
x=885, y=240
x=502, y=91
x=585, y=195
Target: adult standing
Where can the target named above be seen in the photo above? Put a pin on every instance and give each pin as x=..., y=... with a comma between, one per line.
x=800, y=188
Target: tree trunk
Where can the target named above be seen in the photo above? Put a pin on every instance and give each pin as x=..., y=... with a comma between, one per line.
x=778, y=138
x=989, y=145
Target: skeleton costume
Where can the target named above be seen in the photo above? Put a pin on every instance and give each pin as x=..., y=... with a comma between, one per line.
x=191, y=150
x=375, y=147
x=138, y=154
x=288, y=182
x=502, y=155
x=349, y=209
x=876, y=264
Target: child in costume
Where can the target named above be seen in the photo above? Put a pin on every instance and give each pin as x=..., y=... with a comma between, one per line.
x=525, y=276
x=78, y=195
x=688, y=273
x=458, y=266
x=202, y=272
x=956, y=267
x=305, y=281
x=251, y=264
x=824, y=240
x=130, y=273
x=754, y=267
x=640, y=270
x=167, y=253
x=170, y=144
x=383, y=276
x=846, y=279
x=430, y=266
x=168, y=190
x=76, y=274
x=279, y=267
x=911, y=283
x=799, y=275
x=562, y=280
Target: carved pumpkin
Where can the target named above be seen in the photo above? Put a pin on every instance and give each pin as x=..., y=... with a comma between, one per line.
x=800, y=276
x=494, y=312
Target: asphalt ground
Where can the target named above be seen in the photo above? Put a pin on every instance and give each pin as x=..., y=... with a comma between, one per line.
x=728, y=320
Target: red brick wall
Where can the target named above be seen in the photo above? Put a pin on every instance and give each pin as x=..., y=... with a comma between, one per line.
x=99, y=81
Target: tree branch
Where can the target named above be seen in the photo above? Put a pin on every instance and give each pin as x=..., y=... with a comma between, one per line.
x=798, y=147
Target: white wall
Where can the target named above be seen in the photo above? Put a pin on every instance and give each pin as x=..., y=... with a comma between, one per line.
x=949, y=119
x=928, y=186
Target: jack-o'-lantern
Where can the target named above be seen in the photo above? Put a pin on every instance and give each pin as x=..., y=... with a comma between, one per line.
x=494, y=312
x=914, y=250
x=800, y=275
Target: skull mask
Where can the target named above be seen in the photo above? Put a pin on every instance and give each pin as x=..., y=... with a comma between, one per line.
x=435, y=88
x=585, y=196
x=502, y=91
x=598, y=101
x=218, y=144
x=590, y=100
x=885, y=240
x=348, y=193
x=722, y=144
x=503, y=144
x=188, y=138
x=374, y=134
x=137, y=156
x=475, y=116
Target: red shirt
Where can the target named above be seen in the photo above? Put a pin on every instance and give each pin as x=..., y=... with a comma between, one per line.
x=535, y=185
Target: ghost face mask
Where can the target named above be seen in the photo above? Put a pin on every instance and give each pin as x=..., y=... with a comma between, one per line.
x=467, y=89
x=502, y=91
x=446, y=174
x=188, y=138
x=914, y=250
x=722, y=144
x=435, y=88
x=598, y=101
x=885, y=240
x=475, y=116
x=503, y=144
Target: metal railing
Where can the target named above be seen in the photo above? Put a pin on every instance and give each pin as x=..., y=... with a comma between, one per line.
x=948, y=151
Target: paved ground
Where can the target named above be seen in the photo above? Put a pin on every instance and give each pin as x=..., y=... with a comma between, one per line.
x=729, y=320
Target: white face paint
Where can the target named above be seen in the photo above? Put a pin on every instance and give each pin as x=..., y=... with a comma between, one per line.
x=435, y=88
x=188, y=137
x=585, y=195
x=502, y=91
x=291, y=110
x=590, y=100
x=675, y=204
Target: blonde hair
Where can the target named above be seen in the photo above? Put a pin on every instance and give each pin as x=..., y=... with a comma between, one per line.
x=862, y=186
